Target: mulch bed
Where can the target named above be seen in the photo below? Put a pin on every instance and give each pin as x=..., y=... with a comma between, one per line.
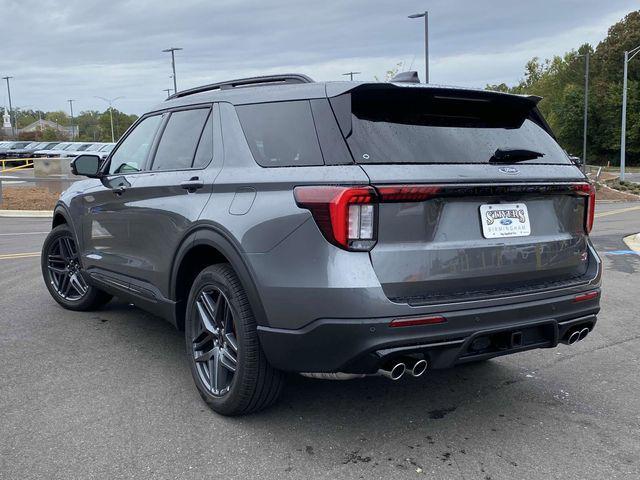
x=28, y=198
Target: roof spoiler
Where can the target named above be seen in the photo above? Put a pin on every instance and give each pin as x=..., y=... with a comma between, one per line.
x=406, y=77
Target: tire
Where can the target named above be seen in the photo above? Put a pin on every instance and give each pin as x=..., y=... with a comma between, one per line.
x=59, y=258
x=227, y=334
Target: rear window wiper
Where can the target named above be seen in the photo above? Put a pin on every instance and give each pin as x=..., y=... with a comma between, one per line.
x=507, y=155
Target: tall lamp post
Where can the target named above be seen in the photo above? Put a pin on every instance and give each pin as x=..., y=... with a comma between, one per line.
x=73, y=132
x=173, y=65
x=426, y=42
x=110, y=102
x=351, y=74
x=628, y=56
x=586, y=109
x=13, y=125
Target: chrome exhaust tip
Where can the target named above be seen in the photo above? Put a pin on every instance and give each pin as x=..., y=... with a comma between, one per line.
x=574, y=337
x=395, y=372
x=583, y=333
x=419, y=368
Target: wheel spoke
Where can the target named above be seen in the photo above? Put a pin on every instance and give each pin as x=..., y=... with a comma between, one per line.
x=57, y=269
x=230, y=338
x=202, y=339
x=206, y=356
x=214, y=372
x=77, y=283
x=205, y=318
x=228, y=360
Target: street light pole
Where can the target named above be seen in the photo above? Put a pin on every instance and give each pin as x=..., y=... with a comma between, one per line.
x=173, y=65
x=586, y=110
x=13, y=125
x=351, y=74
x=623, y=130
x=110, y=102
x=73, y=133
x=426, y=42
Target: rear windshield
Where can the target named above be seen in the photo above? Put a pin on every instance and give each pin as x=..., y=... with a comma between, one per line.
x=412, y=126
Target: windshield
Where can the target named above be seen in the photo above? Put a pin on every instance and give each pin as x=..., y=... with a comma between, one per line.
x=400, y=126
x=82, y=148
x=107, y=148
x=94, y=148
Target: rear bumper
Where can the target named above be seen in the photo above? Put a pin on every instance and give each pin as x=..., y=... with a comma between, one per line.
x=362, y=345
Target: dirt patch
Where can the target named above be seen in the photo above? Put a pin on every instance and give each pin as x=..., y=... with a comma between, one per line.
x=28, y=198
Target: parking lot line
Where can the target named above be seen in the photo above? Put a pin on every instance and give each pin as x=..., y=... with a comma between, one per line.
x=613, y=212
x=22, y=233
x=11, y=256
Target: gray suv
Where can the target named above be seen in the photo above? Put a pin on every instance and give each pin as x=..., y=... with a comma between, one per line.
x=337, y=229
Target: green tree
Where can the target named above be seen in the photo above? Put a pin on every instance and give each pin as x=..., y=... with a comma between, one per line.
x=560, y=81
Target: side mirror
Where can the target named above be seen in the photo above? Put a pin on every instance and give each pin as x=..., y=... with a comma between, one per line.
x=86, y=165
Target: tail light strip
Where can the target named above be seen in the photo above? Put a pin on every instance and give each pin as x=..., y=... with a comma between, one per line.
x=347, y=215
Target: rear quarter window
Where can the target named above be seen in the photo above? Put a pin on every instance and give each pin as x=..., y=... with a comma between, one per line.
x=281, y=134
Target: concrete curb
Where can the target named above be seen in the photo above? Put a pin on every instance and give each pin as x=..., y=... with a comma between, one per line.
x=633, y=242
x=27, y=213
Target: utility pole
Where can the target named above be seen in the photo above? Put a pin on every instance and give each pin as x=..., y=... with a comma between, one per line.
x=623, y=130
x=424, y=15
x=168, y=90
x=351, y=74
x=173, y=65
x=110, y=102
x=586, y=110
x=13, y=125
x=73, y=132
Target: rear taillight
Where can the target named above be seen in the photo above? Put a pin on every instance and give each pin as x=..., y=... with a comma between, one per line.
x=345, y=215
x=407, y=193
x=589, y=191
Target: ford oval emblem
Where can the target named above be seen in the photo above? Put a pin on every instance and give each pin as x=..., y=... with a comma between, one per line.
x=509, y=170
x=505, y=221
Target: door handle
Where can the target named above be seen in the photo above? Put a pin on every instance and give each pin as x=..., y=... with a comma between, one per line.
x=193, y=184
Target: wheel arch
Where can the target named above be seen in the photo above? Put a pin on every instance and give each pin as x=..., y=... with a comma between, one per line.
x=61, y=216
x=216, y=247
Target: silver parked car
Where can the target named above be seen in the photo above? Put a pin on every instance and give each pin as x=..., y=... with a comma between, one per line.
x=335, y=229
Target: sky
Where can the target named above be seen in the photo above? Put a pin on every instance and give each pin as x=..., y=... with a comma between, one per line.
x=79, y=49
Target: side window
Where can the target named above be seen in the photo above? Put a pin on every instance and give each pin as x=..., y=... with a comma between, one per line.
x=281, y=134
x=180, y=139
x=204, y=153
x=132, y=152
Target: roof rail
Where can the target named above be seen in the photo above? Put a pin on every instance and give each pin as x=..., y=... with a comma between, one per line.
x=246, y=82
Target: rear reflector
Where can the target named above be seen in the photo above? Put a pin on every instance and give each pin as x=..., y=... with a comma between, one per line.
x=585, y=296
x=412, y=322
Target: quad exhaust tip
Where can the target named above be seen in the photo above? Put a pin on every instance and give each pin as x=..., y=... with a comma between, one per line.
x=395, y=372
x=577, y=335
x=419, y=368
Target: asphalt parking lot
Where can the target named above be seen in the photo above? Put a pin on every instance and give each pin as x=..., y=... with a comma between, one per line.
x=108, y=394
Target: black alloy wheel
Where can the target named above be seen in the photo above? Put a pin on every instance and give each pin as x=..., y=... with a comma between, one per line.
x=64, y=269
x=63, y=275
x=214, y=343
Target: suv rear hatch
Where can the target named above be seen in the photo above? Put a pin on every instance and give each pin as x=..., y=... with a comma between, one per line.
x=457, y=217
